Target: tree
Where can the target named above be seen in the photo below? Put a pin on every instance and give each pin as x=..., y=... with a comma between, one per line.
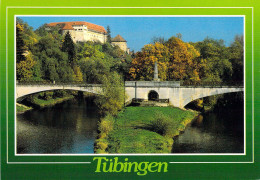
x=20, y=44
x=158, y=40
x=94, y=68
x=175, y=59
x=78, y=74
x=142, y=67
x=179, y=35
x=181, y=60
x=69, y=47
x=237, y=59
x=90, y=49
x=108, y=34
x=215, y=54
x=24, y=68
x=112, y=95
x=28, y=35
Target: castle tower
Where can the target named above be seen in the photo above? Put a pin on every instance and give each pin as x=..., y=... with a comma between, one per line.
x=121, y=42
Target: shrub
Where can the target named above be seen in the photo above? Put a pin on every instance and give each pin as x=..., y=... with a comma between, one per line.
x=163, y=125
x=48, y=95
x=60, y=93
x=99, y=151
x=106, y=125
x=101, y=145
x=160, y=124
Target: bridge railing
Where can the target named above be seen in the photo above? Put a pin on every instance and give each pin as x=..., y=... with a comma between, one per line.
x=44, y=83
x=173, y=84
x=212, y=84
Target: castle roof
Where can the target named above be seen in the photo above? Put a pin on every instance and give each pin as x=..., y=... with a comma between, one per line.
x=118, y=38
x=69, y=26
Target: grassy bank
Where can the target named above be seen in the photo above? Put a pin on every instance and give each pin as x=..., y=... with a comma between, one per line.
x=20, y=108
x=37, y=102
x=142, y=130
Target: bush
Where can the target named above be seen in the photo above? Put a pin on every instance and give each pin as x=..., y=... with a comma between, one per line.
x=163, y=125
x=106, y=125
x=60, y=93
x=101, y=145
x=48, y=95
x=160, y=124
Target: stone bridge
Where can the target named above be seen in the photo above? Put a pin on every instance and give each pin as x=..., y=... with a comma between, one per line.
x=177, y=95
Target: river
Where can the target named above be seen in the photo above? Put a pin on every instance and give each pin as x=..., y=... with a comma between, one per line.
x=220, y=131
x=69, y=127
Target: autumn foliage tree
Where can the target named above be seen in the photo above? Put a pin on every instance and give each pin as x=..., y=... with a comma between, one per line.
x=182, y=64
x=143, y=65
x=24, y=69
x=175, y=61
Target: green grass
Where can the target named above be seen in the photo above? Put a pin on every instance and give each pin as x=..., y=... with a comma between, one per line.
x=43, y=103
x=128, y=140
x=22, y=108
x=133, y=116
x=146, y=129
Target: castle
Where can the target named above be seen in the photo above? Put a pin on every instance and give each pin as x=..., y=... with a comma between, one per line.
x=121, y=42
x=82, y=31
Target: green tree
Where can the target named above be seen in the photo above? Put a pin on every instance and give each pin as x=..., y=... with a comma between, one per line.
x=53, y=62
x=108, y=34
x=90, y=49
x=20, y=44
x=78, y=77
x=237, y=59
x=68, y=46
x=112, y=95
x=217, y=67
x=94, y=68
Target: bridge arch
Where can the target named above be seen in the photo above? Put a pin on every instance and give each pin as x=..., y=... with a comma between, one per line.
x=209, y=96
x=207, y=93
x=23, y=90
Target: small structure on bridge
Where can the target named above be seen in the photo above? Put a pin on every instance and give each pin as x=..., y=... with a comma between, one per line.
x=155, y=78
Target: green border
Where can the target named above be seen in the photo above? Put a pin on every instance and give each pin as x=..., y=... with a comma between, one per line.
x=192, y=170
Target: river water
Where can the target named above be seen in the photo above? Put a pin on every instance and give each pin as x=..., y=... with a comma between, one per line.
x=69, y=127
x=213, y=133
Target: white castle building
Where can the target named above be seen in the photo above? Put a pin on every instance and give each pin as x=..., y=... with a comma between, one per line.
x=81, y=31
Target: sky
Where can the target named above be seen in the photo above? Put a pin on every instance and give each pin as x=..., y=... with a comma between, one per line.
x=139, y=31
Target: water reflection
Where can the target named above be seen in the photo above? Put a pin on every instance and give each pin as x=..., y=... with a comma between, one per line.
x=213, y=133
x=69, y=127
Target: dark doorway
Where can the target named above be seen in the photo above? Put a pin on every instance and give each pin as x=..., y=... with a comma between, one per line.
x=153, y=96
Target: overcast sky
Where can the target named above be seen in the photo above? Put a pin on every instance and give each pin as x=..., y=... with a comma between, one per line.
x=139, y=31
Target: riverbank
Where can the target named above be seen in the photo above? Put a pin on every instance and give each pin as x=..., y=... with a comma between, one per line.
x=50, y=98
x=142, y=130
x=20, y=108
x=40, y=103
